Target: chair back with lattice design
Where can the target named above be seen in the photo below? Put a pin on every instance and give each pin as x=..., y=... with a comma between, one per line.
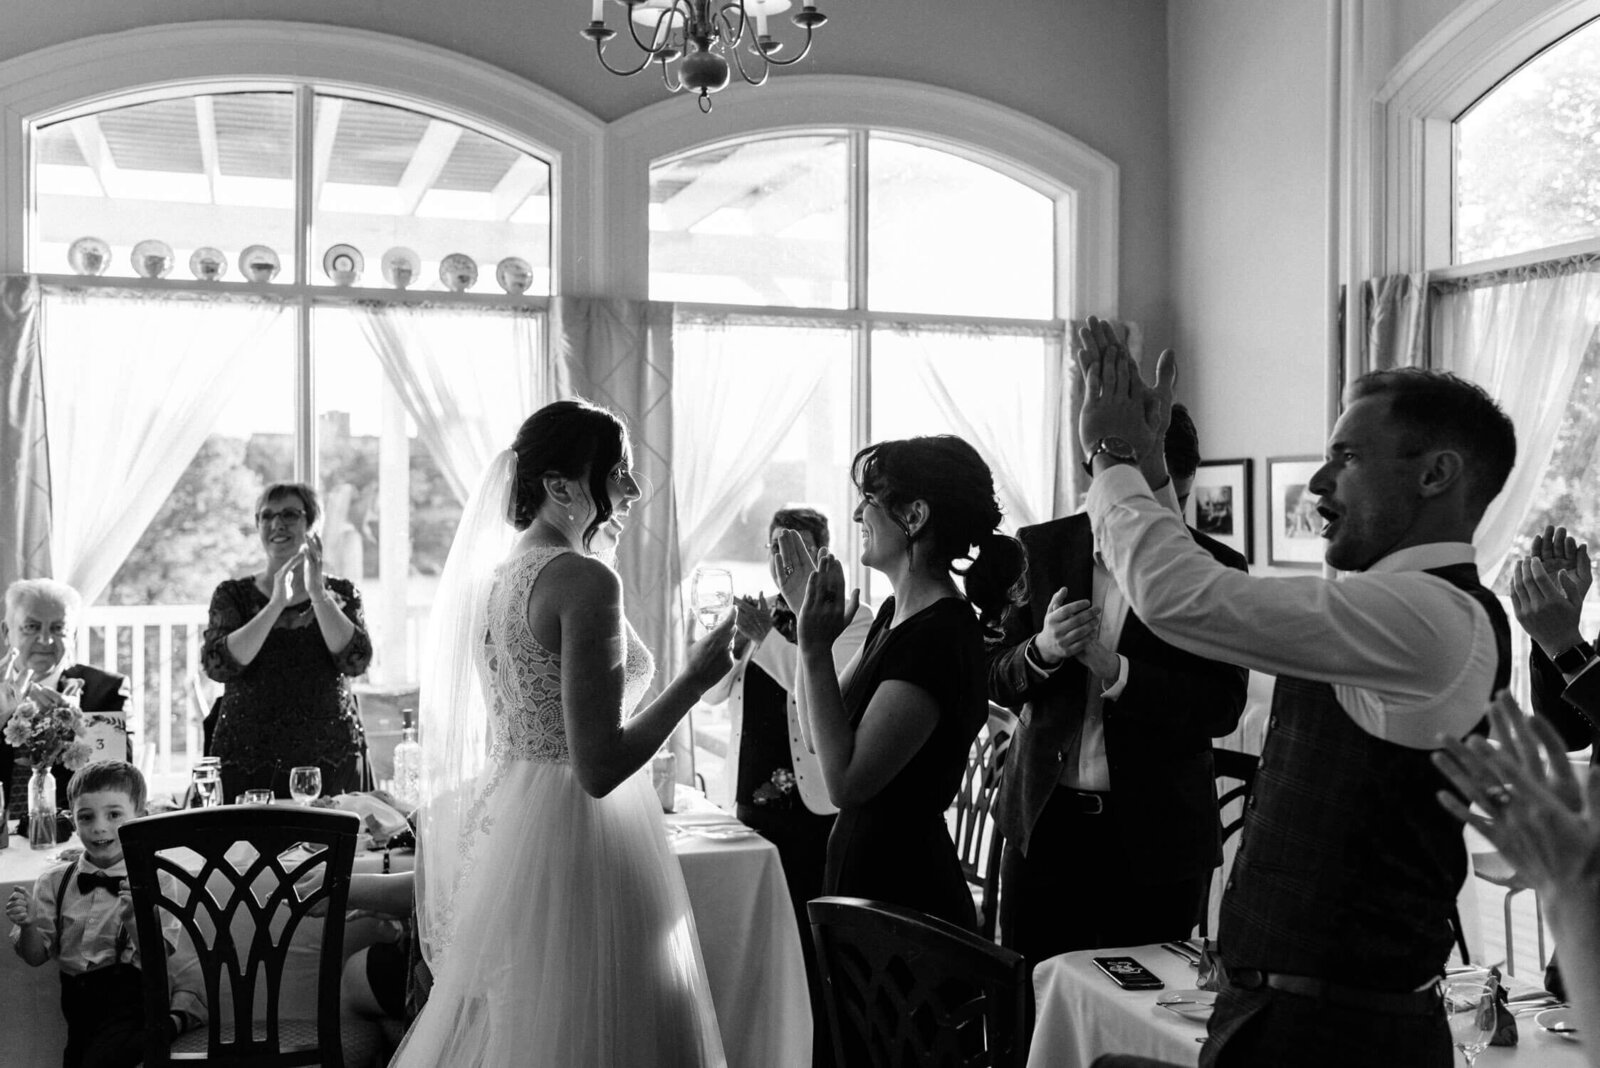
x=905, y=988
x=242, y=881
x=1228, y=765
x=977, y=838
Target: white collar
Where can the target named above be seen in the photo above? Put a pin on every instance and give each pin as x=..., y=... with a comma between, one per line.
x=1425, y=557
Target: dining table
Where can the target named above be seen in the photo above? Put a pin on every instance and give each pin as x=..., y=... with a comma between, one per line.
x=748, y=939
x=1081, y=1014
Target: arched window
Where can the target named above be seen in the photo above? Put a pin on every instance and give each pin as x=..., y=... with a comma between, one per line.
x=251, y=285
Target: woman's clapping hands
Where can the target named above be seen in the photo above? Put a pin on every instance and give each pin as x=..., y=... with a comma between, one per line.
x=824, y=611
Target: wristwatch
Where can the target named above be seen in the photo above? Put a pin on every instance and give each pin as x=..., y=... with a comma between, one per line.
x=1116, y=448
x=1571, y=661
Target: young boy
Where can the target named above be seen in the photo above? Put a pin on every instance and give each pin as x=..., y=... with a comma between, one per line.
x=81, y=913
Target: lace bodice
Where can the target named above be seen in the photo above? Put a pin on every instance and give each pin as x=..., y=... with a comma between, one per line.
x=525, y=678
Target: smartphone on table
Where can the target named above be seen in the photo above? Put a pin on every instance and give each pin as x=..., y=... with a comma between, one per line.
x=1128, y=973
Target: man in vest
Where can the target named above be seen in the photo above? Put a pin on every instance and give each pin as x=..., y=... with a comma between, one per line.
x=1337, y=918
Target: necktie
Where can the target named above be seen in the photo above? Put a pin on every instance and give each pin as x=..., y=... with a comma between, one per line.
x=88, y=880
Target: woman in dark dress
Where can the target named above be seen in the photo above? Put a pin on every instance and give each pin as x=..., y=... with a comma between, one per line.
x=893, y=731
x=286, y=641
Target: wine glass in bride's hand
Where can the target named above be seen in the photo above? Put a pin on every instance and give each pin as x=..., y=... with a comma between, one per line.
x=305, y=784
x=1469, y=1010
x=712, y=593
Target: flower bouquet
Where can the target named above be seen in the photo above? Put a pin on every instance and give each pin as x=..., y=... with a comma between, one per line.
x=47, y=728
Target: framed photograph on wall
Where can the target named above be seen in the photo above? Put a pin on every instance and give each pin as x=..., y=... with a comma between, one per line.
x=1219, y=504
x=1294, y=529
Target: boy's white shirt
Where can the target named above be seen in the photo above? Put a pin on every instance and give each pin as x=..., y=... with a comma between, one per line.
x=780, y=659
x=92, y=927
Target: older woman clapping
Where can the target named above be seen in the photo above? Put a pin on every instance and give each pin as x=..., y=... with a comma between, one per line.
x=285, y=641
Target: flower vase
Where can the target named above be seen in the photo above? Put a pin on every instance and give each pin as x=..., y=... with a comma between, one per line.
x=42, y=807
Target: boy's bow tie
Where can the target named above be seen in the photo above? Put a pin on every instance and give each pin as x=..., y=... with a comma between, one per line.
x=88, y=880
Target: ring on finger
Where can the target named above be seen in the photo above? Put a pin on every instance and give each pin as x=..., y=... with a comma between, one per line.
x=1499, y=795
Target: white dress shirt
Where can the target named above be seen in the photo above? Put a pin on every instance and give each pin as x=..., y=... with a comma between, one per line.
x=780, y=659
x=1410, y=657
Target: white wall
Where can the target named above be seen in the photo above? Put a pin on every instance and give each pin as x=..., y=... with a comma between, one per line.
x=1096, y=69
x=1252, y=279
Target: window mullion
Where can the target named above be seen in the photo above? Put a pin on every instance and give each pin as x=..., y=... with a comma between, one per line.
x=861, y=333
x=305, y=421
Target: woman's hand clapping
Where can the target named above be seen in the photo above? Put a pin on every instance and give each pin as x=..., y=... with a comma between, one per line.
x=283, y=581
x=824, y=612
x=795, y=567
x=311, y=554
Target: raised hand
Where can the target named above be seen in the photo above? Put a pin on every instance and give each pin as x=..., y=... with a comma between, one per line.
x=1543, y=607
x=1068, y=627
x=795, y=567
x=752, y=621
x=1117, y=402
x=1564, y=558
x=1543, y=820
x=711, y=657
x=311, y=553
x=12, y=686
x=824, y=612
x=283, y=580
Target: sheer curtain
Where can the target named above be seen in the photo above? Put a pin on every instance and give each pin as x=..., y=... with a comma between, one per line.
x=968, y=377
x=1521, y=334
x=1396, y=310
x=740, y=385
x=135, y=383
x=467, y=377
x=25, y=467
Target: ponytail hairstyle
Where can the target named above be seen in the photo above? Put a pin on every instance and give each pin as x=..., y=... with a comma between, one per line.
x=563, y=438
x=947, y=473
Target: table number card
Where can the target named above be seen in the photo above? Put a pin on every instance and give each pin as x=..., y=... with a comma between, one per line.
x=107, y=735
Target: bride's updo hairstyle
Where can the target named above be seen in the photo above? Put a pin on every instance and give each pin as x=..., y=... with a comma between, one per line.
x=952, y=478
x=566, y=438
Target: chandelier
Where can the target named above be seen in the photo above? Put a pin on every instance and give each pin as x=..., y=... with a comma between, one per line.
x=694, y=40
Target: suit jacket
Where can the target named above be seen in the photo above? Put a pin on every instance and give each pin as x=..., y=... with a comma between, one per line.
x=1158, y=732
x=1573, y=710
x=102, y=692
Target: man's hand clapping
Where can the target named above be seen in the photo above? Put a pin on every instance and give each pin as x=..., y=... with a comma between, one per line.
x=1116, y=400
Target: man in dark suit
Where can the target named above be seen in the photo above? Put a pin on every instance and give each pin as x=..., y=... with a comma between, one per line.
x=39, y=632
x=1108, y=805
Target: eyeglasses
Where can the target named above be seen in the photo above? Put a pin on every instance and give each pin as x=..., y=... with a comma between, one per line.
x=33, y=628
x=288, y=515
x=622, y=474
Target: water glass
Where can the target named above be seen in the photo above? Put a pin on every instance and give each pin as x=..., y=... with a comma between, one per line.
x=256, y=797
x=207, y=779
x=1469, y=1010
x=305, y=783
x=712, y=593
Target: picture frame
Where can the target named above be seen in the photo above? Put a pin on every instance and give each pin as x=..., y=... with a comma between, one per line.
x=1220, y=504
x=1294, y=529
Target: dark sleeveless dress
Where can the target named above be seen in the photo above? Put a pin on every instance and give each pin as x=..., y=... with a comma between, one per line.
x=896, y=847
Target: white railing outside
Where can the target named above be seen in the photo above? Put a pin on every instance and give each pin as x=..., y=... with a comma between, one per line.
x=157, y=647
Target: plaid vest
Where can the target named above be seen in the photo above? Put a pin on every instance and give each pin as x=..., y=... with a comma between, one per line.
x=1348, y=868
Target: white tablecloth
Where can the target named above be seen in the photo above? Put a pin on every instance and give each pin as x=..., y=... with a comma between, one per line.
x=1081, y=1014
x=742, y=912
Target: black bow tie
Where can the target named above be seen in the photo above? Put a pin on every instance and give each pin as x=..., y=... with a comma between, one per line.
x=88, y=880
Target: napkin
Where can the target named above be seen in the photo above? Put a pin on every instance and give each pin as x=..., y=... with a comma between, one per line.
x=1505, y=1024
x=380, y=820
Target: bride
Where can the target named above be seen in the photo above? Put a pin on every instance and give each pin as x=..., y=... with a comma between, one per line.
x=551, y=908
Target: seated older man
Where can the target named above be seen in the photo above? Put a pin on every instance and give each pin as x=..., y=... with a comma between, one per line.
x=39, y=632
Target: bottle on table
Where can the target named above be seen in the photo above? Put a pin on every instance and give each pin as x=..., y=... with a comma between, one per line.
x=664, y=776
x=408, y=768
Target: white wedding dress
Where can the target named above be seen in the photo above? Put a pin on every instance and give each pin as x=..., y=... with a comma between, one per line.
x=573, y=942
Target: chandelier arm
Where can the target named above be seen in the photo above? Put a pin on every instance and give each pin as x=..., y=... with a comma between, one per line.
x=738, y=61
x=666, y=79
x=792, y=60
x=662, y=38
x=724, y=14
x=600, y=54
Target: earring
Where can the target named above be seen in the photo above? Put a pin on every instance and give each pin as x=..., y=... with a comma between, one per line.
x=571, y=518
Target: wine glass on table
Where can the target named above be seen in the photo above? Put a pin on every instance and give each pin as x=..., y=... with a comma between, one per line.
x=305, y=784
x=1469, y=1009
x=712, y=593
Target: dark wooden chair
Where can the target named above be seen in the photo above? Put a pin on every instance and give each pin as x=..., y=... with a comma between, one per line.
x=1129, y=1060
x=229, y=875
x=978, y=841
x=905, y=988
x=1239, y=769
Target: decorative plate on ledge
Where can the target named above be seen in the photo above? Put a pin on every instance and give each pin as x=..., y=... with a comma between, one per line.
x=458, y=272
x=152, y=259
x=401, y=266
x=514, y=275
x=89, y=256
x=208, y=264
x=343, y=264
x=258, y=263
